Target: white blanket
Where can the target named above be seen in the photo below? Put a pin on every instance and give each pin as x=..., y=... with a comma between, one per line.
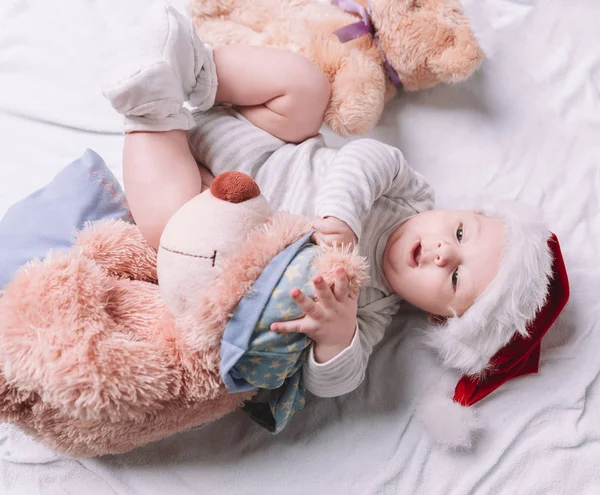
x=526, y=126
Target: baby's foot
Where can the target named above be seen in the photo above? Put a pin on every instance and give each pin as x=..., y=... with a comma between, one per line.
x=169, y=66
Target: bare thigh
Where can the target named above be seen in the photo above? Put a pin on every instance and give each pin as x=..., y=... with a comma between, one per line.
x=160, y=176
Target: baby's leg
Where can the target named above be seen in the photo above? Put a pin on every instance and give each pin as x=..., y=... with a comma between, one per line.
x=282, y=93
x=277, y=90
x=169, y=66
x=160, y=176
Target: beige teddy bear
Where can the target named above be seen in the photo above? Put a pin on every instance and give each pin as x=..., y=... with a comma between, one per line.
x=367, y=51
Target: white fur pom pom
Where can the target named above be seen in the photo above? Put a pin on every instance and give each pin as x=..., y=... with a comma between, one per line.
x=451, y=425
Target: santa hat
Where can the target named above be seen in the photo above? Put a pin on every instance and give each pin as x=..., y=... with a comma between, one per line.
x=499, y=337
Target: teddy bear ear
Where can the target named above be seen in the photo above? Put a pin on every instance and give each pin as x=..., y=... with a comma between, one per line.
x=459, y=59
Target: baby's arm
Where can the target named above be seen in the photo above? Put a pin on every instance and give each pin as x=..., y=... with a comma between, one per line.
x=329, y=320
x=362, y=172
x=346, y=371
x=343, y=335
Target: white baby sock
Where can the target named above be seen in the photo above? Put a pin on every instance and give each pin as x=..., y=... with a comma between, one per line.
x=166, y=66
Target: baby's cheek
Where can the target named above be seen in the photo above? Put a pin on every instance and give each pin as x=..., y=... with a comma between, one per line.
x=419, y=287
x=398, y=282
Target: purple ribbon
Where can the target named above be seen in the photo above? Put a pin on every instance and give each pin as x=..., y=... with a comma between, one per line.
x=361, y=28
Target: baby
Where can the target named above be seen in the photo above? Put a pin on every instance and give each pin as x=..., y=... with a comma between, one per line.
x=485, y=272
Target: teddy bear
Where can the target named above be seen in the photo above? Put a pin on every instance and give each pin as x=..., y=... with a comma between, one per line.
x=97, y=358
x=366, y=50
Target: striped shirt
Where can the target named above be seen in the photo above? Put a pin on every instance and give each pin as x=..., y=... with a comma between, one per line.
x=366, y=184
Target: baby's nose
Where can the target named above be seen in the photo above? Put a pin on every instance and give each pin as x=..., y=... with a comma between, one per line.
x=234, y=187
x=443, y=254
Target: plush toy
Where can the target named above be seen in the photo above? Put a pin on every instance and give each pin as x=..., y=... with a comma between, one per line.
x=367, y=51
x=94, y=360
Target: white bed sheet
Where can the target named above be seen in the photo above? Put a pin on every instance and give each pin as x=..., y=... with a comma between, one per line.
x=526, y=126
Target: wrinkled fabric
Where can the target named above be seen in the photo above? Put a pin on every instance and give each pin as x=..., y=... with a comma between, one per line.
x=525, y=126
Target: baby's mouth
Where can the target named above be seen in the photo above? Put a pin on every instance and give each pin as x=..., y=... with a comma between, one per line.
x=417, y=254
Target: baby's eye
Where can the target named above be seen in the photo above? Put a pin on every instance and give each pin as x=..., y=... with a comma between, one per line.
x=455, y=279
x=459, y=233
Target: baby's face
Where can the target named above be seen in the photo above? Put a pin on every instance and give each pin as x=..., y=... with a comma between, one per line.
x=441, y=261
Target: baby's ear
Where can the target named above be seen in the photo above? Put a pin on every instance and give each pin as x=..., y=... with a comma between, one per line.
x=436, y=319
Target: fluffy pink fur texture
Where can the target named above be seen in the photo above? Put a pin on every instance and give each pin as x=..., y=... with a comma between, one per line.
x=91, y=361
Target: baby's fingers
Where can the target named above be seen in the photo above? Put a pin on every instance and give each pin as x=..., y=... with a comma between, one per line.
x=325, y=226
x=340, y=288
x=293, y=326
x=326, y=239
x=323, y=292
x=317, y=238
x=306, y=304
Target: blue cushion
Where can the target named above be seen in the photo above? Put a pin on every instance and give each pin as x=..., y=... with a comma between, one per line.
x=84, y=191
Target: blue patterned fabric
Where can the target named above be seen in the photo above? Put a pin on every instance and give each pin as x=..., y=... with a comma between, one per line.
x=252, y=356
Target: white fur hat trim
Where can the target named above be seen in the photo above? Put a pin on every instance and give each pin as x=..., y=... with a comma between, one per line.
x=511, y=301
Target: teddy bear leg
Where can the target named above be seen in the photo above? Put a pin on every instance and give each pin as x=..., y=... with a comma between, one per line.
x=14, y=405
x=358, y=88
x=219, y=33
x=87, y=343
x=120, y=249
x=85, y=438
x=200, y=10
x=255, y=16
x=458, y=60
x=42, y=312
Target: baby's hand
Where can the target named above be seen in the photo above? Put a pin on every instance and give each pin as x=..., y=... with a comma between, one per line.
x=331, y=230
x=330, y=321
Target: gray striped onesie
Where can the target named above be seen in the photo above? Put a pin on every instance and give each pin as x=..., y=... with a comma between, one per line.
x=366, y=184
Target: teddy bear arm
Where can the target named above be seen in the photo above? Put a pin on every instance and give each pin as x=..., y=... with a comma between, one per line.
x=358, y=92
x=330, y=259
x=120, y=249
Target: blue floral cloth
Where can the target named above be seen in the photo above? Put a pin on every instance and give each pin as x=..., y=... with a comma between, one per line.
x=253, y=357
